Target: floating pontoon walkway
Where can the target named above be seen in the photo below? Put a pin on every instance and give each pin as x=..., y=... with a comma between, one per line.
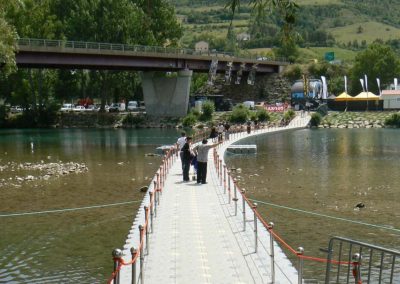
x=200, y=233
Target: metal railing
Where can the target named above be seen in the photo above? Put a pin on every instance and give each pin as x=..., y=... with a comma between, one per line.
x=66, y=44
x=366, y=263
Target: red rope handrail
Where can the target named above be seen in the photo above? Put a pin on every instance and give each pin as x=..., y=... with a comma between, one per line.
x=276, y=236
x=160, y=172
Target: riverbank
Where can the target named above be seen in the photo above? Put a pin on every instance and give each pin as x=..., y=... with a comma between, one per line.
x=356, y=119
x=141, y=120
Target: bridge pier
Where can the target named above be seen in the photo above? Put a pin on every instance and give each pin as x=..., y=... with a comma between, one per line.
x=166, y=96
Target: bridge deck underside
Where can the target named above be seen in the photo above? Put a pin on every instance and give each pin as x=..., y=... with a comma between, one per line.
x=43, y=58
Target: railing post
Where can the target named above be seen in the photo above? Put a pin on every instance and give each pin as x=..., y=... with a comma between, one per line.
x=116, y=253
x=244, y=209
x=255, y=227
x=146, y=218
x=220, y=171
x=133, y=253
x=357, y=267
x=141, y=253
x=229, y=182
x=224, y=177
x=155, y=199
x=300, y=252
x=235, y=199
x=272, y=253
x=151, y=210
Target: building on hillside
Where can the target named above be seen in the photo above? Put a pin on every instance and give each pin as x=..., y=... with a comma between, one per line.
x=391, y=99
x=243, y=37
x=201, y=46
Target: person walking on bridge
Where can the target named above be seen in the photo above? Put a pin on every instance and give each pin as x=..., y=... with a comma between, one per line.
x=202, y=158
x=186, y=158
x=181, y=141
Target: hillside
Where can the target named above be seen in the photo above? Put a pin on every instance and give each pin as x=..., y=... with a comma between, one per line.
x=341, y=24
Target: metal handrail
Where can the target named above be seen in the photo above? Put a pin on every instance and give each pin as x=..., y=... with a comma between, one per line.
x=32, y=42
x=374, y=263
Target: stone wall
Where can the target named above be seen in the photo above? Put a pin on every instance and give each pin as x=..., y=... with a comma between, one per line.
x=371, y=119
x=267, y=88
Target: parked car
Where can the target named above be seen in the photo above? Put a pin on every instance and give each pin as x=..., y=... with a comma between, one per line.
x=67, y=107
x=79, y=108
x=116, y=107
x=16, y=109
x=92, y=108
x=133, y=106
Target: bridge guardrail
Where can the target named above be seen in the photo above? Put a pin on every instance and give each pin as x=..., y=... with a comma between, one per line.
x=133, y=48
x=367, y=262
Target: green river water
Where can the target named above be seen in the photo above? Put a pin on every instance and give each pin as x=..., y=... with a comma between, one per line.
x=321, y=171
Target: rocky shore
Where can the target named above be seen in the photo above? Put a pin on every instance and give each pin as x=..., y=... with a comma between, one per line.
x=355, y=120
x=28, y=172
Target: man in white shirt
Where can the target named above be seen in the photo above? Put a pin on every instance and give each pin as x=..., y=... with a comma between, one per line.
x=181, y=141
x=202, y=158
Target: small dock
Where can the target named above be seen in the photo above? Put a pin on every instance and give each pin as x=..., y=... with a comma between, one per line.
x=208, y=233
x=242, y=149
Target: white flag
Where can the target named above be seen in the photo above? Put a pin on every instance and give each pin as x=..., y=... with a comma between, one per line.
x=345, y=84
x=366, y=83
x=378, y=81
x=395, y=83
x=324, y=88
x=362, y=84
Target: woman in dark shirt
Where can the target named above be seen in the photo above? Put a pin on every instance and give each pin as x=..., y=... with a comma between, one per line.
x=186, y=158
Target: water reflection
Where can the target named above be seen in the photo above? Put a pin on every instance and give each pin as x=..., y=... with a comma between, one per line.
x=326, y=172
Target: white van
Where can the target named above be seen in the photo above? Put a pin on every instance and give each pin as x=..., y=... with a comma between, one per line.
x=67, y=107
x=133, y=106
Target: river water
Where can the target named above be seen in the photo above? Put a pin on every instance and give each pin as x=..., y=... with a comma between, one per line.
x=325, y=172
x=308, y=182
x=71, y=246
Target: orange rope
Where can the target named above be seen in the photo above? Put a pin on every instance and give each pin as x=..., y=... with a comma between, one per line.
x=278, y=238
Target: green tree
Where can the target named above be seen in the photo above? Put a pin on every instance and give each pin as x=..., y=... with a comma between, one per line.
x=208, y=109
x=240, y=114
x=8, y=38
x=377, y=61
x=286, y=10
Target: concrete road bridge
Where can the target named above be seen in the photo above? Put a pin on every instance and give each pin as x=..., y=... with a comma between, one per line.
x=169, y=92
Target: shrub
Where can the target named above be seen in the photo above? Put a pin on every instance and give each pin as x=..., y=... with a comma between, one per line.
x=208, y=109
x=393, y=120
x=3, y=115
x=263, y=115
x=288, y=115
x=316, y=119
x=239, y=114
x=47, y=116
x=189, y=120
x=323, y=109
x=104, y=119
x=195, y=112
x=253, y=116
x=132, y=120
